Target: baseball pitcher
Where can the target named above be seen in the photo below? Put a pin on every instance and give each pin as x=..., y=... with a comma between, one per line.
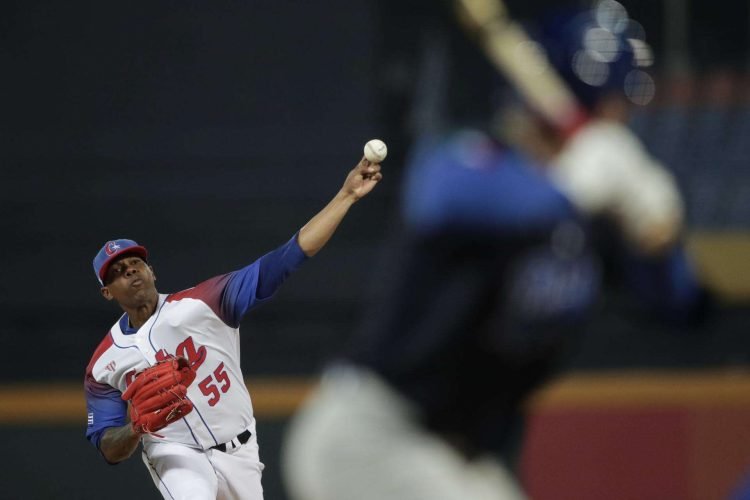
x=167, y=373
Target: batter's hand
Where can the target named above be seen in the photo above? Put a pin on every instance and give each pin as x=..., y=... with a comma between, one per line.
x=362, y=179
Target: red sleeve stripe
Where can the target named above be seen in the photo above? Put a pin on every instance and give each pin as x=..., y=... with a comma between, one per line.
x=105, y=344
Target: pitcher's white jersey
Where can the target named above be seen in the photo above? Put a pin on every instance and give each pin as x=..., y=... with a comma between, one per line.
x=202, y=325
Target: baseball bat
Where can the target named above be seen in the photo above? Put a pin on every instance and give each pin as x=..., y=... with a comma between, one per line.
x=523, y=62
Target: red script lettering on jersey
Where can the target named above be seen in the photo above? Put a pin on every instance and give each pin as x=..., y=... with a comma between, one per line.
x=186, y=349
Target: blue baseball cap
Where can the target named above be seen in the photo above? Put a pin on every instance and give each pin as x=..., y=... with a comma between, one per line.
x=113, y=249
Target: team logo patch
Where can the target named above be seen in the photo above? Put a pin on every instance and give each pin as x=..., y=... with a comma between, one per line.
x=111, y=247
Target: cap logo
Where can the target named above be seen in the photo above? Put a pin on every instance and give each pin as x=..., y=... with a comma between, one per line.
x=111, y=247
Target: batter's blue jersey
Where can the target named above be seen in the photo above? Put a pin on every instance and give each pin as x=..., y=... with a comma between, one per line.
x=491, y=279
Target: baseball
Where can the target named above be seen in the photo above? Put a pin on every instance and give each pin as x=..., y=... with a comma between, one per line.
x=376, y=150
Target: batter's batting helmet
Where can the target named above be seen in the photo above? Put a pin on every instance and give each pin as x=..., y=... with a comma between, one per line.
x=597, y=51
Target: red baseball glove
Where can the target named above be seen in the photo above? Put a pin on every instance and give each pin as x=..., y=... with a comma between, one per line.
x=157, y=395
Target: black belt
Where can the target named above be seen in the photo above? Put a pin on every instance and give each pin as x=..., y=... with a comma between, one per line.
x=242, y=438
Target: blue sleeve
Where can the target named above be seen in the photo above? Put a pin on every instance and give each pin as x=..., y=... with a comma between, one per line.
x=666, y=284
x=741, y=492
x=471, y=182
x=105, y=408
x=259, y=281
x=277, y=265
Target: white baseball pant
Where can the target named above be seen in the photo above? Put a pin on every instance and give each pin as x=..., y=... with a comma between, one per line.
x=184, y=473
x=356, y=439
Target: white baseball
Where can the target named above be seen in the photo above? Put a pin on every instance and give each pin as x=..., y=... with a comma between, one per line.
x=376, y=150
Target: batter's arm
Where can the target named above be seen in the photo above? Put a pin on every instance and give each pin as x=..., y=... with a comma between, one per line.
x=118, y=443
x=360, y=181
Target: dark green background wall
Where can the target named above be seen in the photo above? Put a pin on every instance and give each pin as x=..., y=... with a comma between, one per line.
x=210, y=132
